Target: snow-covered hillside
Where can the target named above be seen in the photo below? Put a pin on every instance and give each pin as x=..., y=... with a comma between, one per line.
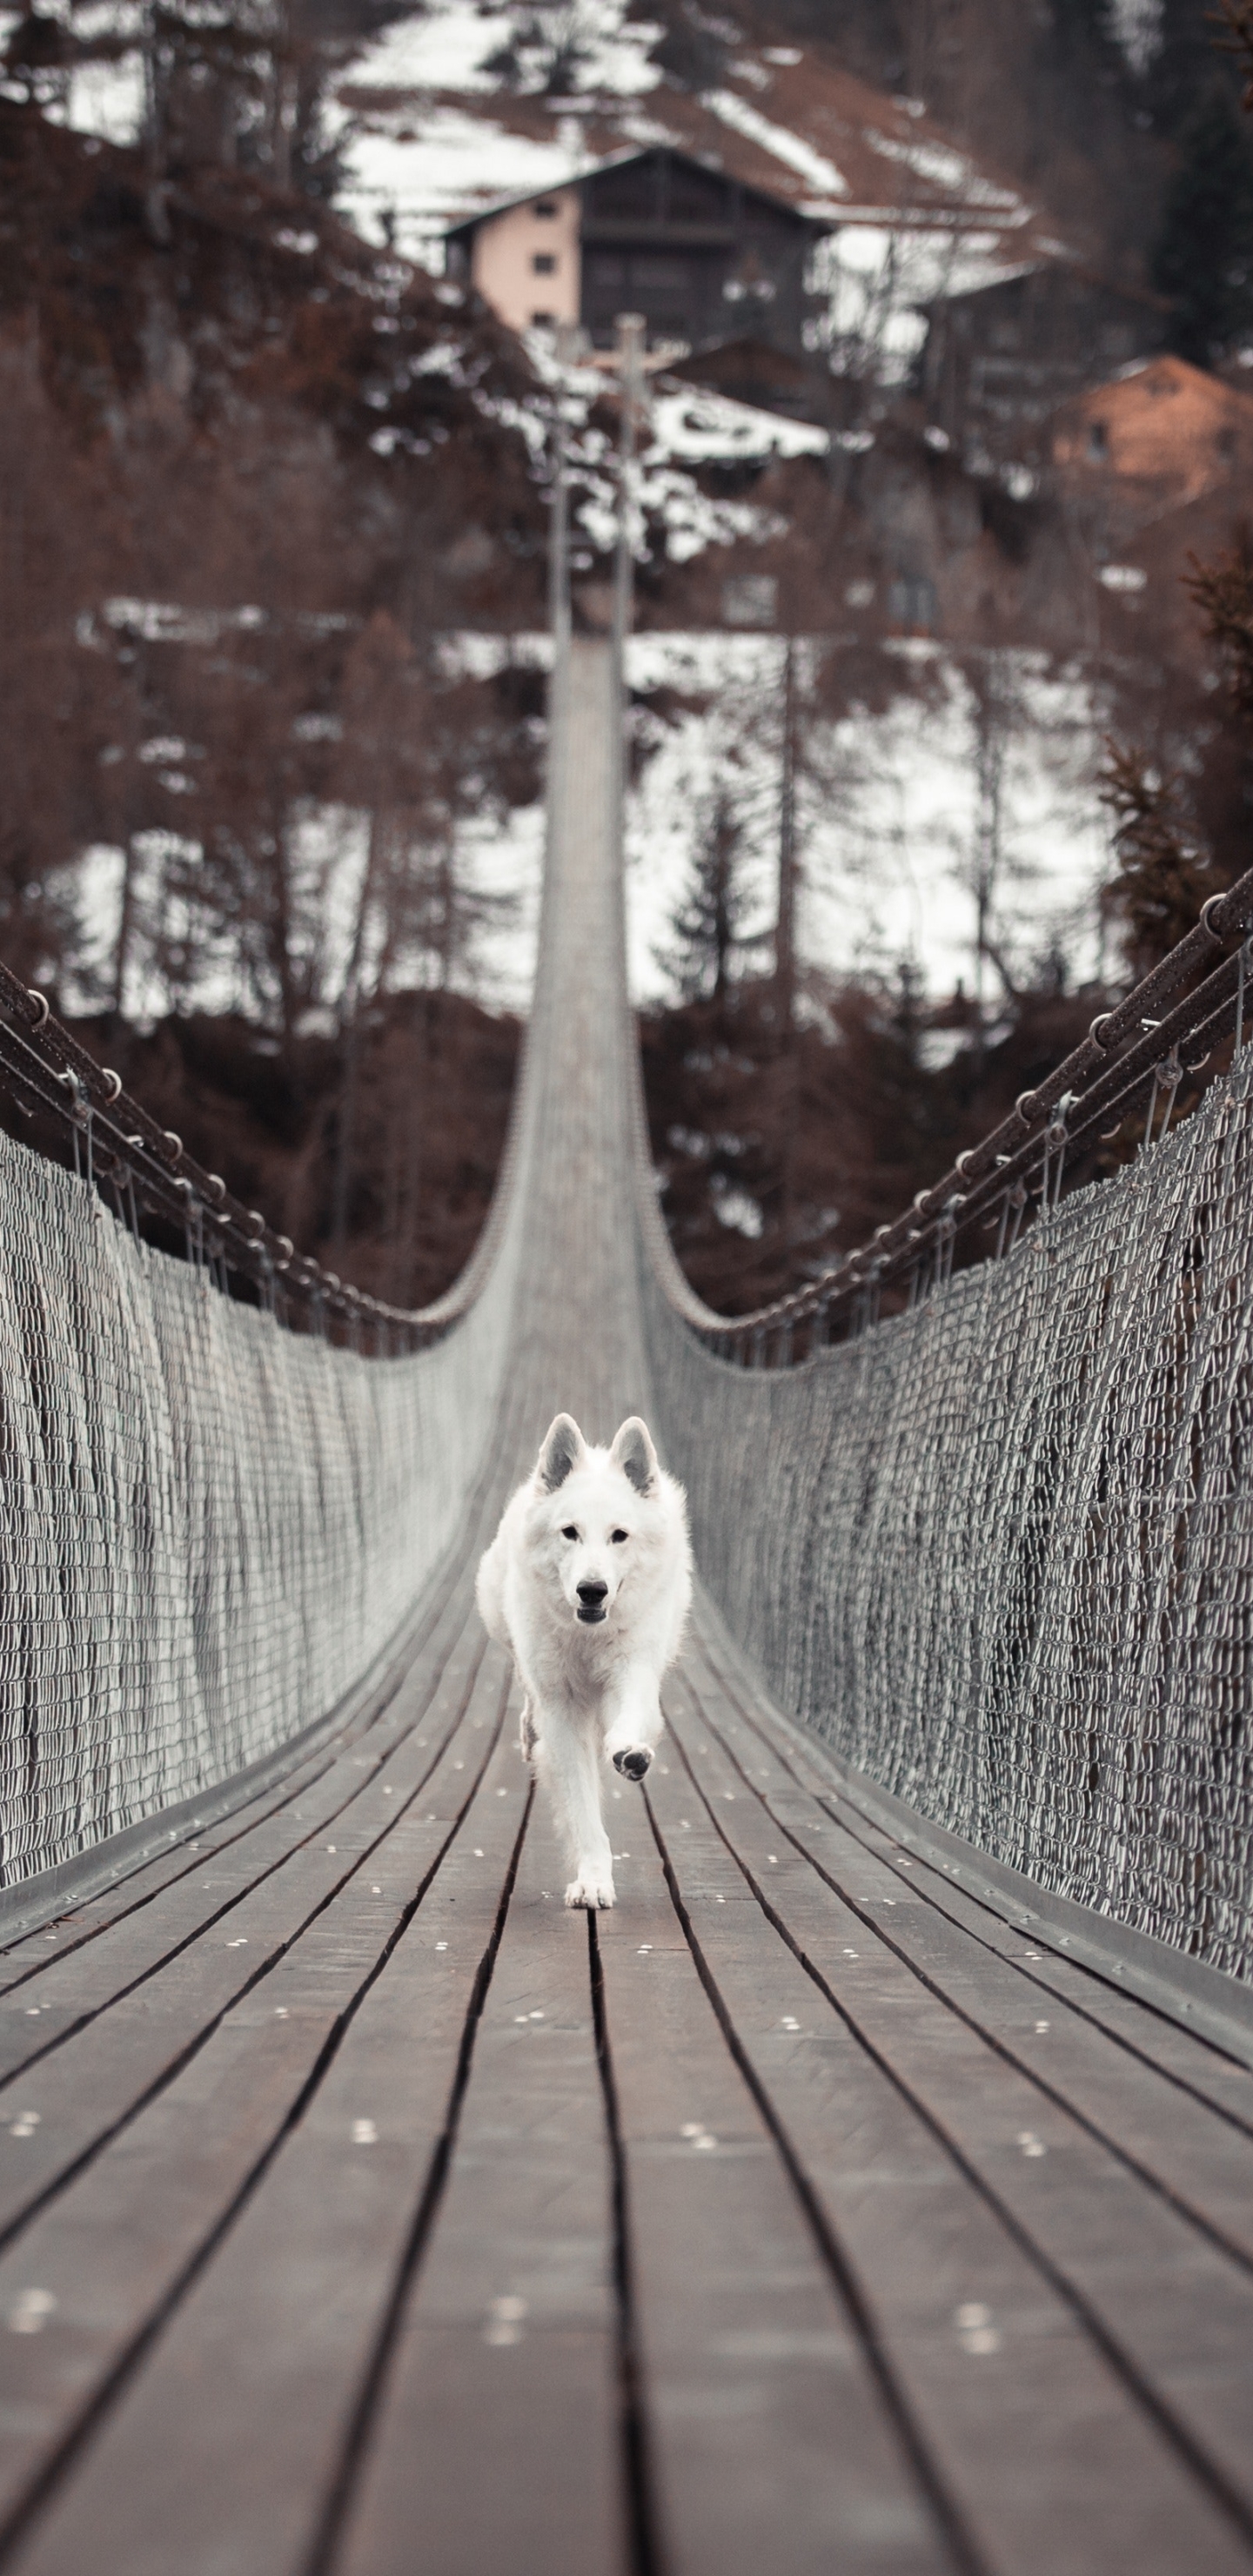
x=890, y=807
x=888, y=815
x=434, y=135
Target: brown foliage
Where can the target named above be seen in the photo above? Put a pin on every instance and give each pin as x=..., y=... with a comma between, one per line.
x=58, y=704
x=1237, y=17
x=249, y=471
x=818, y=1137
x=434, y=1084
x=1223, y=592
x=237, y=429
x=1163, y=878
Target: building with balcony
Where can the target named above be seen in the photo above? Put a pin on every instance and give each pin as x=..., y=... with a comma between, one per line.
x=701, y=254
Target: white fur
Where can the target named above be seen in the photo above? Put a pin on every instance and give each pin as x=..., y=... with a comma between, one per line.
x=592, y=1690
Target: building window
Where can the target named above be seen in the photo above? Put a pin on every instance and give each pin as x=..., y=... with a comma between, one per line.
x=547, y=211
x=544, y=263
x=541, y=321
x=1098, y=441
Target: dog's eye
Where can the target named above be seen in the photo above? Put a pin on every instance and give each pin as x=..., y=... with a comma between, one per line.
x=569, y=1533
x=618, y=1537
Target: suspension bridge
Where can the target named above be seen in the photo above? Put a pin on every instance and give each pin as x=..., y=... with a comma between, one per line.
x=873, y=2188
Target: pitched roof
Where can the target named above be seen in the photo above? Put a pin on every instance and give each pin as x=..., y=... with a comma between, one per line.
x=789, y=121
x=1058, y=264
x=619, y=161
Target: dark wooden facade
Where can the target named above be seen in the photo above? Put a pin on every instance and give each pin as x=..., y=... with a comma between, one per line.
x=1002, y=357
x=694, y=251
x=702, y=256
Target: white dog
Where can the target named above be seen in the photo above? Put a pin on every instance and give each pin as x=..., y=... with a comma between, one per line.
x=587, y=1583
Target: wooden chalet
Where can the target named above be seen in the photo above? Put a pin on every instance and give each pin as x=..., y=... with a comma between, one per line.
x=999, y=358
x=699, y=253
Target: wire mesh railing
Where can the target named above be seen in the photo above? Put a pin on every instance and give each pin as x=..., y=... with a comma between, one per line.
x=999, y=1551
x=1130, y=1061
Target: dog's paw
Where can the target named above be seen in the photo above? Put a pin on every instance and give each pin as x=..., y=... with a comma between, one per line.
x=596, y=1894
x=634, y=1762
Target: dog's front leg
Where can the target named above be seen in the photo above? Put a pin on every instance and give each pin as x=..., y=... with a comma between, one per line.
x=565, y=1755
x=527, y=1732
x=633, y=1722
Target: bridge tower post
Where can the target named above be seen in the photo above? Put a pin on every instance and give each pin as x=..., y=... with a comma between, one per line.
x=630, y=354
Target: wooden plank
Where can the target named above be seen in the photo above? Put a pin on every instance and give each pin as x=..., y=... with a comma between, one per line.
x=70, y=1931
x=772, y=1744
x=1170, y=2134
x=772, y=2443
x=221, y=1899
x=337, y=1950
x=219, y=2448
x=320, y=1902
x=1052, y=2461
x=496, y=2441
x=392, y=1710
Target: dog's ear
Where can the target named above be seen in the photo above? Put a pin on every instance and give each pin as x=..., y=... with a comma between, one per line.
x=634, y=1453
x=562, y=1448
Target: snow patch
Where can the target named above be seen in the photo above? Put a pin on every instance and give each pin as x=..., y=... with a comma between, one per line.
x=791, y=149
x=702, y=425
x=943, y=167
x=887, y=811
x=446, y=47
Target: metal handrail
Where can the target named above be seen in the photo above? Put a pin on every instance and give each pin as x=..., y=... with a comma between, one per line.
x=1115, y=1069
x=43, y=1065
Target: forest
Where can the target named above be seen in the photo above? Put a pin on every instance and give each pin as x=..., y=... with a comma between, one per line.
x=262, y=478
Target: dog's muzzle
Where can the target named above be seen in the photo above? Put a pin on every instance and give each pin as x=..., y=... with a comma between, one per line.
x=592, y=1597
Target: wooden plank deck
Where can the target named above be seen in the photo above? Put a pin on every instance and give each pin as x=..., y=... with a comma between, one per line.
x=363, y=2213
x=362, y=2210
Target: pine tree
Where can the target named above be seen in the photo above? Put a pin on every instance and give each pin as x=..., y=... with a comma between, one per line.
x=1204, y=255
x=1161, y=881
x=1182, y=66
x=708, y=926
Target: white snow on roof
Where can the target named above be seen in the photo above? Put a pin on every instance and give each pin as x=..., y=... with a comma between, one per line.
x=791, y=149
x=697, y=424
x=943, y=167
x=878, y=283
x=452, y=162
x=648, y=130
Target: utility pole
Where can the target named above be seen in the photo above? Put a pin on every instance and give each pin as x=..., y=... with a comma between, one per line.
x=559, y=522
x=631, y=328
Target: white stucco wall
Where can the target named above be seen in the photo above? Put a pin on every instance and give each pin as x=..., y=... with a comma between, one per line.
x=505, y=250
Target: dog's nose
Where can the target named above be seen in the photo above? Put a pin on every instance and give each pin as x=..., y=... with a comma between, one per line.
x=592, y=1594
